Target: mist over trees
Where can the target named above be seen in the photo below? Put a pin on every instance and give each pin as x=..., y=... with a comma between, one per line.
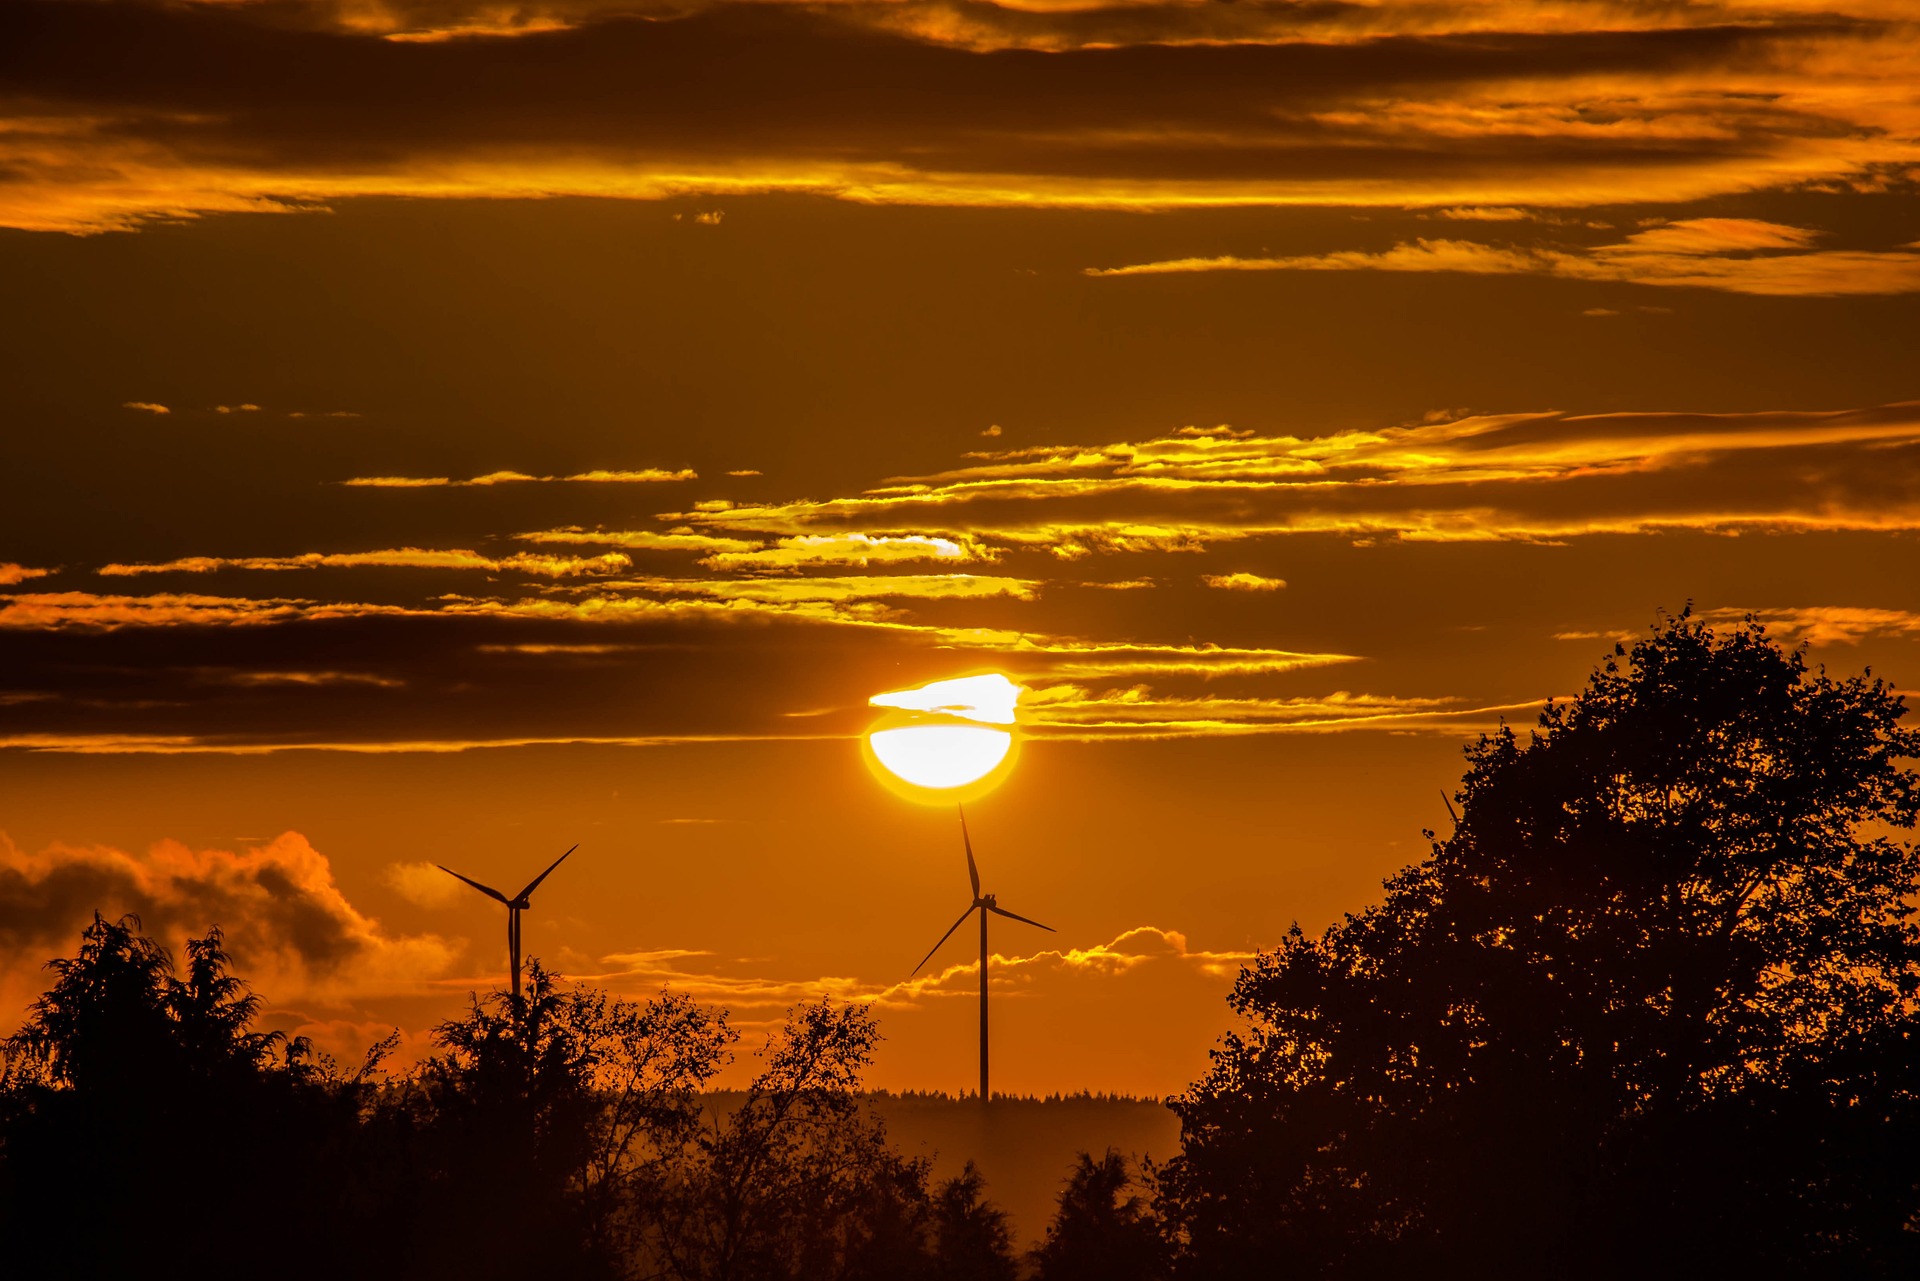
x=1650, y=1006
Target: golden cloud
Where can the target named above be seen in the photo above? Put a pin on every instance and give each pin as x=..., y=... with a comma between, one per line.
x=134, y=744
x=1537, y=476
x=392, y=558
x=1062, y=657
x=11, y=573
x=1446, y=106
x=1075, y=713
x=598, y=476
x=422, y=884
x=1242, y=581
x=676, y=540
x=844, y=588
x=1133, y=950
x=90, y=611
x=1825, y=624
x=1706, y=253
x=851, y=549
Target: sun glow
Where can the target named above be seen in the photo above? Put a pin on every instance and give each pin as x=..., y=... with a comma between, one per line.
x=947, y=740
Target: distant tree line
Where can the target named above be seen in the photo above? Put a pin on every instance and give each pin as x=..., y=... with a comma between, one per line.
x=1651, y=1007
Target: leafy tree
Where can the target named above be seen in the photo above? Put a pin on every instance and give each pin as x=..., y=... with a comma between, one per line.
x=139, y=1106
x=1103, y=1230
x=1654, y=996
x=545, y=1120
x=794, y=1181
x=971, y=1240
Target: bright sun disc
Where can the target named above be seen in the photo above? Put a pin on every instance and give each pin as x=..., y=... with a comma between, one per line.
x=946, y=740
x=941, y=756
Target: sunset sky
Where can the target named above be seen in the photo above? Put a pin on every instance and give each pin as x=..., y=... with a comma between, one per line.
x=444, y=432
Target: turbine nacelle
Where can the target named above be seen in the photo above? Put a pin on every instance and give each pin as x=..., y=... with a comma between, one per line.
x=986, y=904
x=515, y=905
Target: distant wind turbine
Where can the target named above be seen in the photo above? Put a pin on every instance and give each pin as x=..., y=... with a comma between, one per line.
x=984, y=903
x=515, y=905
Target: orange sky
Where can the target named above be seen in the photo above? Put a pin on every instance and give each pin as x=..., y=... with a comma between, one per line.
x=440, y=432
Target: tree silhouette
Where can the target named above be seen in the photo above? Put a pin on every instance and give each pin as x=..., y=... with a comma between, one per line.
x=971, y=1240
x=567, y=1133
x=544, y=1120
x=1652, y=997
x=140, y=1106
x=1104, y=1230
x=795, y=1180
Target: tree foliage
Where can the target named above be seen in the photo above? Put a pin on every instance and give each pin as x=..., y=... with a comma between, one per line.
x=1105, y=1228
x=562, y=1133
x=141, y=1097
x=1654, y=992
x=796, y=1179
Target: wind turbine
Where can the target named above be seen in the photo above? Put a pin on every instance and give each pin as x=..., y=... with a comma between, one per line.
x=515, y=905
x=984, y=903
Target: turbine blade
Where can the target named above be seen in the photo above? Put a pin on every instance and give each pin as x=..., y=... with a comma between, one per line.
x=1016, y=916
x=1449, y=803
x=973, y=873
x=943, y=938
x=487, y=890
x=534, y=884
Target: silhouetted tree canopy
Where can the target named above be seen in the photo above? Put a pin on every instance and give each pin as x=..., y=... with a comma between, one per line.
x=971, y=1240
x=1652, y=1000
x=145, y=1126
x=1104, y=1230
x=141, y=1111
x=795, y=1180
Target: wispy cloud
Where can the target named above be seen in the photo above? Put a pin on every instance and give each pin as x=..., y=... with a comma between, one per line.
x=1537, y=476
x=598, y=476
x=1734, y=254
x=1825, y=624
x=842, y=588
x=1142, y=946
x=422, y=884
x=134, y=744
x=851, y=549
x=1447, y=106
x=11, y=573
x=645, y=540
x=716, y=980
x=1074, y=712
x=391, y=558
x=309, y=679
x=95, y=612
x=146, y=406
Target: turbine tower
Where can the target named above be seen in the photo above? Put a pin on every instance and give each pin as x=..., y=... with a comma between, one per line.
x=983, y=903
x=515, y=905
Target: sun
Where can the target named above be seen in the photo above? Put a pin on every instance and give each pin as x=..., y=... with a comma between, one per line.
x=948, y=740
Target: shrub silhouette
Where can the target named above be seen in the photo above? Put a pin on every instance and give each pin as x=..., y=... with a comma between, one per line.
x=1651, y=999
